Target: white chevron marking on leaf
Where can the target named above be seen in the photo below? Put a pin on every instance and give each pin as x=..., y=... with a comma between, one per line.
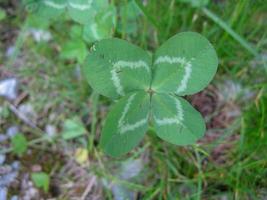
x=54, y=5
x=116, y=82
x=106, y=16
x=131, y=127
x=170, y=60
x=82, y=7
x=93, y=28
x=126, y=109
x=178, y=60
x=177, y=119
x=125, y=64
x=71, y=4
x=93, y=48
x=184, y=82
x=123, y=128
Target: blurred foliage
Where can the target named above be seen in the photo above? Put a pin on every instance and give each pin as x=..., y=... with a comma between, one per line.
x=196, y=3
x=73, y=128
x=41, y=180
x=19, y=144
x=2, y=14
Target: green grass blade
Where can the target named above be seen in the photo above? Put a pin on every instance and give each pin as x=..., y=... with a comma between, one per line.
x=230, y=31
x=147, y=15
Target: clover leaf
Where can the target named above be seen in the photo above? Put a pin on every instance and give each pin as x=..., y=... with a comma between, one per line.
x=79, y=10
x=147, y=89
x=97, y=17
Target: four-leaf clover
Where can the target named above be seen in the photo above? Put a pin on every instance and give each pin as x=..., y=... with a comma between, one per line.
x=147, y=89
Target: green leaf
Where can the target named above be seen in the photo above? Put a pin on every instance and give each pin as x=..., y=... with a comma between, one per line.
x=184, y=64
x=126, y=124
x=107, y=17
x=19, y=144
x=73, y=128
x=102, y=26
x=50, y=9
x=81, y=11
x=2, y=14
x=129, y=14
x=175, y=120
x=41, y=180
x=76, y=31
x=100, y=4
x=115, y=67
x=74, y=49
x=94, y=32
x=37, y=21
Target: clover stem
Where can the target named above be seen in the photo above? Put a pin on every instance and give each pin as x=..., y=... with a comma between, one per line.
x=150, y=91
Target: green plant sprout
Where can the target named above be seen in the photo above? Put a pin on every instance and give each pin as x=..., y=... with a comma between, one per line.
x=147, y=89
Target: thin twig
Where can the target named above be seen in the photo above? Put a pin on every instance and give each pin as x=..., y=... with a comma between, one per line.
x=88, y=188
x=23, y=117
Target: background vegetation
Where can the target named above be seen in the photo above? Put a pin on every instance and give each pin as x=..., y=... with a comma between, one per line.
x=50, y=127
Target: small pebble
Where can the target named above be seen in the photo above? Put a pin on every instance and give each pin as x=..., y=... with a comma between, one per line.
x=3, y=137
x=4, y=169
x=8, y=88
x=3, y=193
x=12, y=131
x=28, y=111
x=131, y=168
x=50, y=130
x=2, y=159
x=14, y=198
x=7, y=179
x=16, y=165
x=10, y=51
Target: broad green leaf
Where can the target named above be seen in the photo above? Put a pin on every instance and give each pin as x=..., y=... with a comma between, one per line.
x=129, y=14
x=126, y=124
x=184, y=64
x=19, y=144
x=94, y=32
x=100, y=4
x=107, y=17
x=50, y=8
x=2, y=14
x=76, y=31
x=175, y=120
x=81, y=10
x=102, y=26
x=41, y=180
x=73, y=128
x=74, y=49
x=115, y=67
x=91, y=32
x=35, y=21
x=31, y=5
x=131, y=9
